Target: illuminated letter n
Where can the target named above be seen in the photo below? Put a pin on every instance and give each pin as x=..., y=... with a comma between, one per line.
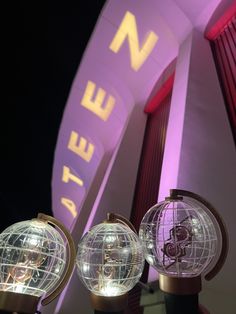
x=128, y=28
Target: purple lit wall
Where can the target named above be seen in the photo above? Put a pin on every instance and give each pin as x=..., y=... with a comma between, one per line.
x=129, y=49
x=202, y=157
x=101, y=134
x=126, y=71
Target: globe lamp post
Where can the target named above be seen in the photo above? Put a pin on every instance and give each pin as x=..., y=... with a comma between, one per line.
x=183, y=237
x=34, y=260
x=110, y=262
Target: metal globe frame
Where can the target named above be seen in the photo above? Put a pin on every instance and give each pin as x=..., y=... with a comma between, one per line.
x=24, y=303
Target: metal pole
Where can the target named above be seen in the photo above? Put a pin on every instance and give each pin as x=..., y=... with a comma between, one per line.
x=101, y=312
x=107, y=305
x=7, y=312
x=184, y=304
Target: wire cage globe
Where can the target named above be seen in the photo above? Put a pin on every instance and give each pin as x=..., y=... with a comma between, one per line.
x=181, y=236
x=110, y=259
x=32, y=257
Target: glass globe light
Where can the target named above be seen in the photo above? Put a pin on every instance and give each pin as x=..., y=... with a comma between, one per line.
x=182, y=237
x=33, y=258
x=110, y=259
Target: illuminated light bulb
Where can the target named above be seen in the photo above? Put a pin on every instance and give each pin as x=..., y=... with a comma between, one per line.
x=111, y=290
x=183, y=237
x=110, y=259
x=33, y=259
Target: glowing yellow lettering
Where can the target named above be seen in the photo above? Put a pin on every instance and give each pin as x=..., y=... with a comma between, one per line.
x=70, y=205
x=128, y=28
x=103, y=111
x=80, y=147
x=67, y=175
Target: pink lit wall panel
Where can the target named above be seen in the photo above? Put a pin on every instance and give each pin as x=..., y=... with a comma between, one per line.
x=130, y=48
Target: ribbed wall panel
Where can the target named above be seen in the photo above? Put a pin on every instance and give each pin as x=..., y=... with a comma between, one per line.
x=224, y=49
x=148, y=180
x=147, y=185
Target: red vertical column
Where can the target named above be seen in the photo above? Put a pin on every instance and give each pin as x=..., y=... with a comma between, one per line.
x=224, y=50
x=148, y=179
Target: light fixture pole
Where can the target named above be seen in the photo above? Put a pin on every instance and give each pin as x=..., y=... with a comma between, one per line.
x=107, y=305
x=105, y=312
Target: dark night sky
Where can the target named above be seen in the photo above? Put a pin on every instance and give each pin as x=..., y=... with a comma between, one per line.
x=42, y=50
